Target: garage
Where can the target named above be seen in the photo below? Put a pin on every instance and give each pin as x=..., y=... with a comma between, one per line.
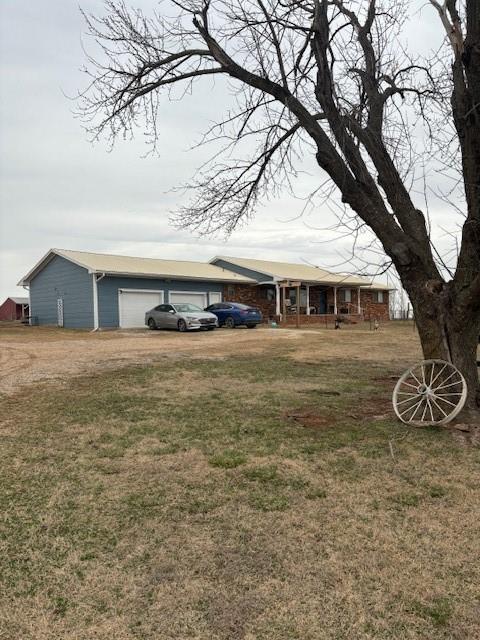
x=133, y=304
x=199, y=299
x=103, y=291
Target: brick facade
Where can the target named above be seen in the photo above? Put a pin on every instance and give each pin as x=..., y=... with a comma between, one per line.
x=253, y=295
x=263, y=297
x=372, y=310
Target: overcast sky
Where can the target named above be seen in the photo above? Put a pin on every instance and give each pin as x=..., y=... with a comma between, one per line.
x=58, y=190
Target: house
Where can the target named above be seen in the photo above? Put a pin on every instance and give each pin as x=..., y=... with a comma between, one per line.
x=14, y=308
x=78, y=289
x=321, y=293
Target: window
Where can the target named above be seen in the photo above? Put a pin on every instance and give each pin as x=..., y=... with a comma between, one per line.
x=165, y=308
x=269, y=294
x=345, y=295
x=230, y=291
x=378, y=296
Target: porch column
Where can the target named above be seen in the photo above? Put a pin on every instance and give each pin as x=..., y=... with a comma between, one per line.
x=335, y=300
x=307, y=286
x=278, y=310
x=358, y=302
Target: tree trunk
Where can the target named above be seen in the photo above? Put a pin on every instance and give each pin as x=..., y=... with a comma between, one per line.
x=449, y=334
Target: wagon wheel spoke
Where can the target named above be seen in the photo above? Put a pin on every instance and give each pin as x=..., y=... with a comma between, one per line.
x=439, y=373
x=445, y=386
x=452, y=404
x=415, y=396
x=409, y=385
x=439, y=407
x=415, y=378
x=453, y=393
x=430, y=407
x=410, y=408
x=425, y=410
x=415, y=407
x=447, y=379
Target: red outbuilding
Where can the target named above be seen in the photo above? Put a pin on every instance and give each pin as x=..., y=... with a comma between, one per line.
x=14, y=308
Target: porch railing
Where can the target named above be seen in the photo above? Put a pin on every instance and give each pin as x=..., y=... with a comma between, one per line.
x=352, y=309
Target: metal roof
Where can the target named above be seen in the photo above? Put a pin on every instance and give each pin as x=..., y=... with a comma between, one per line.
x=17, y=300
x=188, y=270
x=379, y=286
x=292, y=271
x=133, y=266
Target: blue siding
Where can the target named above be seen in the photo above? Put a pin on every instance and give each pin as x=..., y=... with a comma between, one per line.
x=256, y=275
x=61, y=278
x=109, y=285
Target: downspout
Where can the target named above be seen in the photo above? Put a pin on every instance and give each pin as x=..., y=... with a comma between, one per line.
x=96, y=324
x=27, y=288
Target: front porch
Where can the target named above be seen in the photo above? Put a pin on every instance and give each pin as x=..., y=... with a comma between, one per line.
x=300, y=303
x=319, y=304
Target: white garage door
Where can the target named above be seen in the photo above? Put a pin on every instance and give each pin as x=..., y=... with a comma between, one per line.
x=132, y=306
x=214, y=296
x=200, y=299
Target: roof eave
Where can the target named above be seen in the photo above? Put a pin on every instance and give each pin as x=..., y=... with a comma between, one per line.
x=237, y=264
x=31, y=274
x=170, y=276
x=278, y=278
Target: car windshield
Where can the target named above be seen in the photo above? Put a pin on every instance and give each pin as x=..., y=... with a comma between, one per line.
x=239, y=305
x=186, y=307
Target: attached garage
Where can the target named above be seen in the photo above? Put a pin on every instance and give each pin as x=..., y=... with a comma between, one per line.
x=200, y=299
x=100, y=291
x=133, y=304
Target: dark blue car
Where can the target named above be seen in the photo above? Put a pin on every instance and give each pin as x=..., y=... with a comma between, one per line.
x=234, y=314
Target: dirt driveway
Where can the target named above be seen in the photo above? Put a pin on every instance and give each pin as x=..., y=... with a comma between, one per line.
x=33, y=354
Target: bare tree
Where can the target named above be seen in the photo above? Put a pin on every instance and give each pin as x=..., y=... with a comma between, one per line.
x=328, y=78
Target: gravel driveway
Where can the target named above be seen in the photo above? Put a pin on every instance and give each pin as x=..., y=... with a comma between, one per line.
x=32, y=354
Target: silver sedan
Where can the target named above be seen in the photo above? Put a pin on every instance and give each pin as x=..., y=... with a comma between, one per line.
x=183, y=316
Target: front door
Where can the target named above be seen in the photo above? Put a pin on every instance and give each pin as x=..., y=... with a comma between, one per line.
x=322, y=307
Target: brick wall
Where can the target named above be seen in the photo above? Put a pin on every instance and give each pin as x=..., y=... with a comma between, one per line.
x=372, y=310
x=253, y=295
x=257, y=297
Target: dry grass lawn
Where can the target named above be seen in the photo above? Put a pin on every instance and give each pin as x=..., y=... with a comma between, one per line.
x=227, y=486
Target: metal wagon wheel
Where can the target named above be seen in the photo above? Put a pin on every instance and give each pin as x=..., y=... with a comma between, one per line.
x=429, y=393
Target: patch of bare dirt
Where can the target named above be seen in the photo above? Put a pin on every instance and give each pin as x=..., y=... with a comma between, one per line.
x=309, y=418
x=374, y=408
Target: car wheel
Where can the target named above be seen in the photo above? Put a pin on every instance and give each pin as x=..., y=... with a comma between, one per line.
x=230, y=323
x=151, y=324
x=182, y=325
x=251, y=326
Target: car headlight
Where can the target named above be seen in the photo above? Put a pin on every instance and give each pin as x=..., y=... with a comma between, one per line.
x=191, y=318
